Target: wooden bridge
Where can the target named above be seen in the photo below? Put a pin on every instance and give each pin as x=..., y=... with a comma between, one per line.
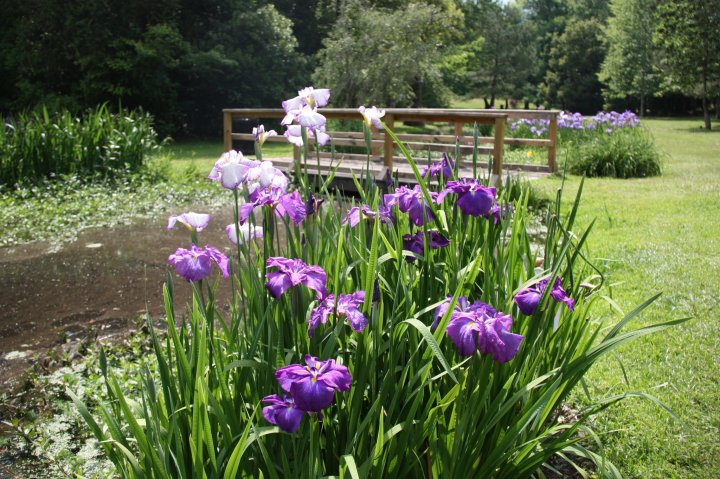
x=384, y=154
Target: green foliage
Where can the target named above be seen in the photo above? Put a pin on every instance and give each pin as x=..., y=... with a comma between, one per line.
x=687, y=31
x=100, y=144
x=571, y=81
x=624, y=153
x=629, y=68
x=375, y=56
x=181, y=60
x=415, y=407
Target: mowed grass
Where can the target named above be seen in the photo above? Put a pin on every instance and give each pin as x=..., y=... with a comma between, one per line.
x=662, y=235
x=650, y=235
x=202, y=154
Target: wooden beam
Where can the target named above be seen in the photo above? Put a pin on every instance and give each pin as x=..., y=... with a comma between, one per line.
x=227, y=131
x=498, y=150
x=552, y=147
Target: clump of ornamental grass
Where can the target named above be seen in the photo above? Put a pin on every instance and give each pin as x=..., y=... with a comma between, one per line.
x=100, y=144
x=624, y=153
x=417, y=333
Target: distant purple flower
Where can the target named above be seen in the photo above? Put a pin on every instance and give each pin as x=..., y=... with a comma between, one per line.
x=528, y=299
x=474, y=199
x=292, y=272
x=412, y=202
x=313, y=386
x=283, y=412
x=372, y=116
x=281, y=203
x=192, y=221
x=416, y=243
x=445, y=167
x=247, y=232
x=356, y=212
x=195, y=264
x=261, y=135
x=347, y=306
x=480, y=327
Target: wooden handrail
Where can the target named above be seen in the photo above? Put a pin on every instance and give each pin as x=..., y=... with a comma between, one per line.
x=457, y=117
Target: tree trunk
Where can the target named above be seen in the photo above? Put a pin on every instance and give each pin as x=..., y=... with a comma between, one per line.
x=487, y=103
x=706, y=113
x=717, y=108
x=642, y=104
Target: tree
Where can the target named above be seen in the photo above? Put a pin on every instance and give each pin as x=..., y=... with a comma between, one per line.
x=385, y=57
x=571, y=80
x=506, y=59
x=629, y=69
x=687, y=30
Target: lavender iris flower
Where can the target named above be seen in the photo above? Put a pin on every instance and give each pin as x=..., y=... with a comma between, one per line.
x=192, y=221
x=528, y=299
x=230, y=157
x=412, y=202
x=283, y=412
x=474, y=199
x=247, y=232
x=347, y=306
x=416, y=243
x=292, y=272
x=195, y=264
x=372, y=116
x=303, y=108
x=294, y=135
x=356, y=212
x=480, y=327
x=261, y=135
x=281, y=203
x=313, y=386
x=444, y=167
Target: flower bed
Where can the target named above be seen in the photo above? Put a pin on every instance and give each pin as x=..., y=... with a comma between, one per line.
x=417, y=333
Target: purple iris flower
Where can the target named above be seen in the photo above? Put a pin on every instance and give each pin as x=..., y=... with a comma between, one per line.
x=412, y=202
x=282, y=203
x=444, y=167
x=312, y=205
x=192, y=221
x=356, y=212
x=474, y=199
x=499, y=212
x=347, y=305
x=416, y=243
x=195, y=264
x=283, y=412
x=480, y=327
x=292, y=272
x=462, y=306
x=313, y=386
x=528, y=299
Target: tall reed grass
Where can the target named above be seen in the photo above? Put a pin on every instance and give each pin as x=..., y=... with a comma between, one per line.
x=99, y=144
x=415, y=408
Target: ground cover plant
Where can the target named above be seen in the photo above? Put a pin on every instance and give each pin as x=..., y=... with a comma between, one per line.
x=418, y=333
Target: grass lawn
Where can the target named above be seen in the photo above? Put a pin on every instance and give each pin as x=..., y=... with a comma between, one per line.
x=662, y=235
x=202, y=154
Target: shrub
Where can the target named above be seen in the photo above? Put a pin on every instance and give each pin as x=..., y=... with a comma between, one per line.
x=624, y=153
x=101, y=144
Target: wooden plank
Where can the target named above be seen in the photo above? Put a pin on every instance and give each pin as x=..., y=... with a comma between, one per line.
x=552, y=147
x=498, y=151
x=227, y=131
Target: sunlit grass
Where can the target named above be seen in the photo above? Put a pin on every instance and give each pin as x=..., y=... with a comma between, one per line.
x=662, y=234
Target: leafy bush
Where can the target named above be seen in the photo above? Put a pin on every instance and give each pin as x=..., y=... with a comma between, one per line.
x=624, y=153
x=101, y=144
